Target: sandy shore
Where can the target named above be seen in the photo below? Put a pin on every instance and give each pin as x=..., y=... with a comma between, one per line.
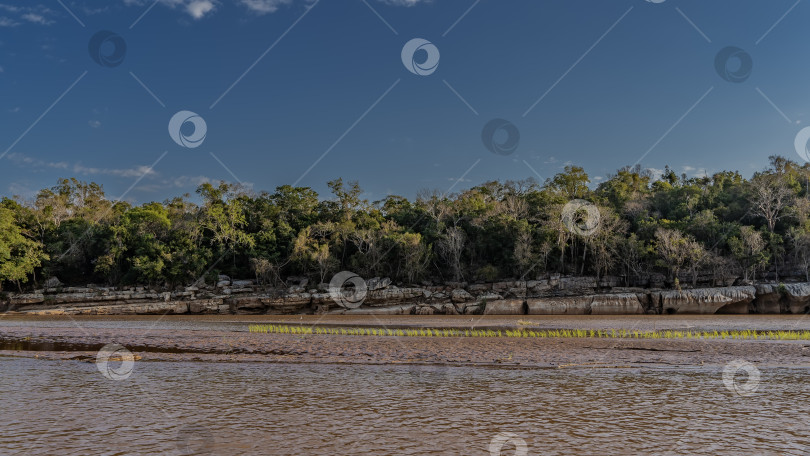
x=36, y=338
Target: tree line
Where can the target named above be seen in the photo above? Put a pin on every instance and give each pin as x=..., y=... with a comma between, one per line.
x=684, y=229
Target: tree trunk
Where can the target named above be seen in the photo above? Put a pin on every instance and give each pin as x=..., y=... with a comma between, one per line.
x=584, y=252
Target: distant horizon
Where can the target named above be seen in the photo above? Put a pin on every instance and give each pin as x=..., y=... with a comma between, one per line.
x=656, y=174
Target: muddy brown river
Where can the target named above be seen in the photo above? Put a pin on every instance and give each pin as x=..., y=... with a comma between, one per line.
x=226, y=407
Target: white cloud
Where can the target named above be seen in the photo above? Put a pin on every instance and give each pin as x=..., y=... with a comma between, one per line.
x=21, y=159
x=79, y=169
x=38, y=14
x=692, y=171
x=154, y=182
x=137, y=171
x=94, y=11
x=264, y=6
x=271, y=6
x=188, y=181
x=199, y=8
x=22, y=190
x=656, y=173
x=195, y=8
x=10, y=8
x=403, y=2
x=94, y=123
x=185, y=182
x=37, y=19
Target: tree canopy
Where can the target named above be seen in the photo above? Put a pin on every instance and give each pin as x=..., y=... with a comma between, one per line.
x=684, y=229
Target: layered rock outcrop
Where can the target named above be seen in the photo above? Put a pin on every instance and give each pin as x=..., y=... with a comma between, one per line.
x=704, y=300
x=552, y=296
x=602, y=304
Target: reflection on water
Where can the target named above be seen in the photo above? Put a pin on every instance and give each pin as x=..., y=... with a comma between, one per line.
x=67, y=407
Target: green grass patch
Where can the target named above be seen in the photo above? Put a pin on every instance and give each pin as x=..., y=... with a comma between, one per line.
x=531, y=334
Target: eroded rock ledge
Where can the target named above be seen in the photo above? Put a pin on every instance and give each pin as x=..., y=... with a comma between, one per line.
x=553, y=296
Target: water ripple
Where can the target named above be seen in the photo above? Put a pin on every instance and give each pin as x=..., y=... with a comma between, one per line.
x=68, y=408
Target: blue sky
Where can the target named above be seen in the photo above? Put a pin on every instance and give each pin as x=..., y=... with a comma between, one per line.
x=319, y=91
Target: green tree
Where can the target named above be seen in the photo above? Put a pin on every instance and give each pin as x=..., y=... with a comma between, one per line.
x=750, y=251
x=19, y=255
x=573, y=183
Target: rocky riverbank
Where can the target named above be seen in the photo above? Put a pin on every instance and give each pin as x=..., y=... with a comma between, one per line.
x=552, y=296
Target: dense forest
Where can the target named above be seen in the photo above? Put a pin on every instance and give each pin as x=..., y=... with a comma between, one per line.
x=682, y=229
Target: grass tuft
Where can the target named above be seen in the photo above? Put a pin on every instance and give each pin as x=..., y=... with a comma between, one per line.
x=532, y=334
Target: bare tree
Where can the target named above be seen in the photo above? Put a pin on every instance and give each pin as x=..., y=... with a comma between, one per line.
x=770, y=196
x=604, y=242
x=371, y=245
x=435, y=204
x=632, y=254
x=515, y=207
x=722, y=267
x=524, y=257
x=309, y=249
x=554, y=223
x=800, y=240
x=673, y=249
x=696, y=256
x=450, y=248
x=749, y=251
x=266, y=271
x=415, y=255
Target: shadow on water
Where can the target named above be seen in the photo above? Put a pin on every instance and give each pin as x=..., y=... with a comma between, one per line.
x=9, y=344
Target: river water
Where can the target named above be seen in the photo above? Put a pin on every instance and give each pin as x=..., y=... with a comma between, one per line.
x=183, y=408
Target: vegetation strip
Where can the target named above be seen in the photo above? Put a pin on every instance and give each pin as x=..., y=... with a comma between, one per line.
x=522, y=333
x=636, y=227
